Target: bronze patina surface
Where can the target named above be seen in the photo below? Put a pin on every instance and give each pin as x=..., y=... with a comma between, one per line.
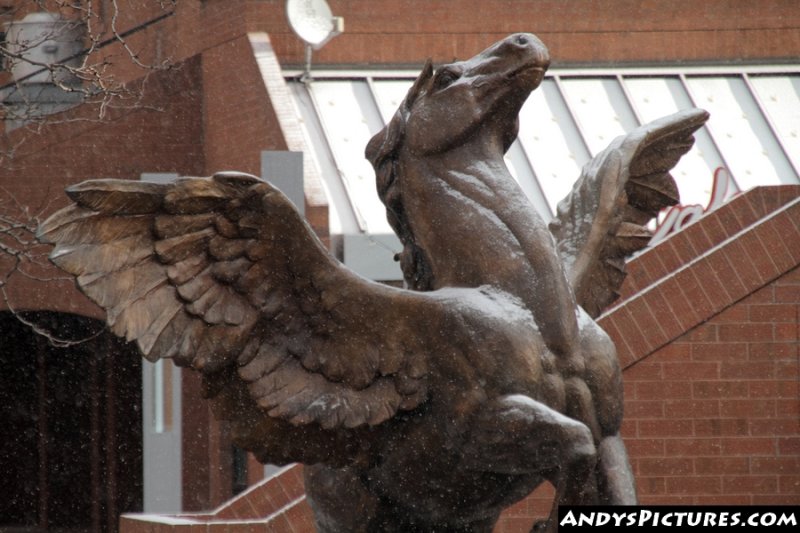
x=430, y=408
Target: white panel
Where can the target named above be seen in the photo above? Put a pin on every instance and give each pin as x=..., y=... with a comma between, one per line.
x=780, y=97
x=372, y=256
x=161, y=437
x=284, y=170
x=654, y=98
x=558, y=131
x=389, y=94
x=341, y=217
x=740, y=131
x=601, y=109
x=520, y=168
x=350, y=119
x=552, y=143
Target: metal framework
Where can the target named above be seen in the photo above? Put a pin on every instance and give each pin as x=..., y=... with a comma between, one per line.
x=754, y=131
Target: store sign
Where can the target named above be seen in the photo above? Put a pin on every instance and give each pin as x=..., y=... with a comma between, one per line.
x=680, y=216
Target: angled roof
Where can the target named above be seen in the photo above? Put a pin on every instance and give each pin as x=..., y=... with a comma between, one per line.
x=695, y=274
x=754, y=133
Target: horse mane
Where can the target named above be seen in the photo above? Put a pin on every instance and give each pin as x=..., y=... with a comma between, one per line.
x=383, y=153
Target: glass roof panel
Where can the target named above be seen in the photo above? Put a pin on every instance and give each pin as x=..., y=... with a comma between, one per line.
x=389, y=94
x=349, y=119
x=520, y=167
x=740, y=131
x=551, y=142
x=754, y=130
x=780, y=97
x=654, y=98
x=601, y=109
x=341, y=216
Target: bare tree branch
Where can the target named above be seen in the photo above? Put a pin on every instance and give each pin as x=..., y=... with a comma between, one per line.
x=21, y=255
x=90, y=75
x=87, y=72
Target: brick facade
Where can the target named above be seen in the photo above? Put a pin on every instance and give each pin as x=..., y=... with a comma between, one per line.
x=406, y=33
x=577, y=32
x=712, y=413
x=707, y=330
x=709, y=345
x=162, y=133
x=711, y=390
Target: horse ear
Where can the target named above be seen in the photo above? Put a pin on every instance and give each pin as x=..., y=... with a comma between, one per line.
x=420, y=83
x=386, y=140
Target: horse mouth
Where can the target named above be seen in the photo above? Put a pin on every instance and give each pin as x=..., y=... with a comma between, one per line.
x=530, y=71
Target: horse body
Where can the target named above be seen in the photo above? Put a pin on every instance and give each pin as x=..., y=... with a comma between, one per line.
x=430, y=409
x=549, y=395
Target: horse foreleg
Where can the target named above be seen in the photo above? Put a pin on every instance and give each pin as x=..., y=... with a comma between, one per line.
x=518, y=435
x=615, y=480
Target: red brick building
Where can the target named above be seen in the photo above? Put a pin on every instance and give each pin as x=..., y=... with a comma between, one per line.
x=707, y=328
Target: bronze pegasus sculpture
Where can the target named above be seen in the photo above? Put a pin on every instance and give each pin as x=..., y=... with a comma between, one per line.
x=430, y=408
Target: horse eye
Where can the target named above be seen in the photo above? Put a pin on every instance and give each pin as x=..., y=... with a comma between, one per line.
x=445, y=78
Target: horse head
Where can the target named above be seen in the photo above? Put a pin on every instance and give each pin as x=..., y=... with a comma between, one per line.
x=482, y=95
x=472, y=103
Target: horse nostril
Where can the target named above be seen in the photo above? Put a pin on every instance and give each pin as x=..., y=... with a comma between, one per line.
x=521, y=40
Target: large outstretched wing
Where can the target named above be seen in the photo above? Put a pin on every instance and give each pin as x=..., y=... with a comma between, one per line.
x=220, y=272
x=604, y=218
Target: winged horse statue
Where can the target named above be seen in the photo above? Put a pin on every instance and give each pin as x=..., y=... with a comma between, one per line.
x=427, y=408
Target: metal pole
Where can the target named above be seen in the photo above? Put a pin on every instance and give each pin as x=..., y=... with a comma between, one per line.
x=111, y=436
x=307, y=72
x=41, y=372
x=94, y=436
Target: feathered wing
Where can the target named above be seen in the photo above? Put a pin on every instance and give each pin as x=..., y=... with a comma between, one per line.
x=221, y=273
x=604, y=218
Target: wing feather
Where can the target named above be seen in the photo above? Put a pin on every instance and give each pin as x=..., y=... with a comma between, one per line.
x=168, y=226
x=109, y=257
x=222, y=271
x=225, y=249
x=196, y=287
x=190, y=196
x=184, y=271
x=170, y=338
x=148, y=339
x=134, y=317
x=94, y=228
x=602, y=221
x=119, y=197
x=181, y=247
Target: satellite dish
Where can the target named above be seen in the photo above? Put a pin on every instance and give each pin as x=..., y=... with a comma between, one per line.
x=313, y=21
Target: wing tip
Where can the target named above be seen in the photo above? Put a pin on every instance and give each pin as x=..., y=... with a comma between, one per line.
x=123, y=197
x=236, y=178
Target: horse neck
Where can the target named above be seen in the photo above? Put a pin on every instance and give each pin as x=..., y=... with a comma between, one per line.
x=478, y=228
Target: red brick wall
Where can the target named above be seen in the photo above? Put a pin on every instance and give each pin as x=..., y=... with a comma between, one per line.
x=162, y=133
x=712, y=412
x=405, y=33
x=708, y=330
x=713, y=416
x=578, y=31
x=240, y=121
x=275, y=505
x=712, y=403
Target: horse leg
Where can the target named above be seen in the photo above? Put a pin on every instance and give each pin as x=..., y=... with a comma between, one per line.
x=342, y=504
x=615, y=481
x=339, y=500
x=517, y=435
